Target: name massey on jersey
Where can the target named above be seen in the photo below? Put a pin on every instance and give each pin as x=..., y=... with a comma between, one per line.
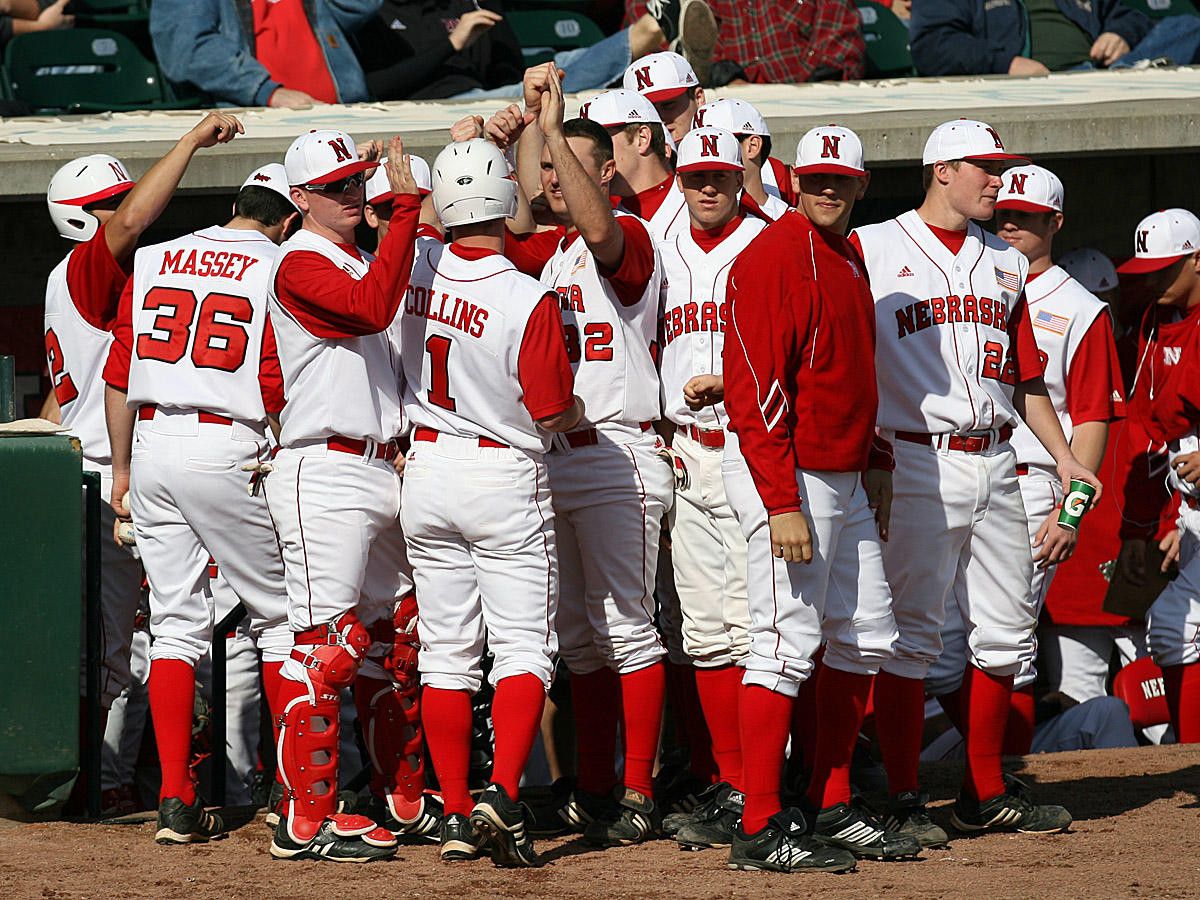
x=207, y=263
x=447, y=309
x=922, y=314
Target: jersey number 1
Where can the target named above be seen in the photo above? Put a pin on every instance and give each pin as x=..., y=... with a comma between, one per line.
x=438, y=348
x=218, y=344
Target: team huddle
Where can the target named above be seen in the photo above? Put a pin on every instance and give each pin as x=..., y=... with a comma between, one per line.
x=617, y=391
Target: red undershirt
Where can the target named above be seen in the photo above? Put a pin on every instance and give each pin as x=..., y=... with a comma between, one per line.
x=953, y=240
x=644, y=204
x=285, y=45
x=708, y=238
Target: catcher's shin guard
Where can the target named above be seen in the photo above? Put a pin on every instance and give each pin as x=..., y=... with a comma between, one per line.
x=390, y=716
x=308, y=760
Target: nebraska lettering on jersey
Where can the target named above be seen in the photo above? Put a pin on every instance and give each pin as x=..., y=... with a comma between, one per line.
x=449, y=310
x=691, y=317
x=949, y=310
x=206, y=263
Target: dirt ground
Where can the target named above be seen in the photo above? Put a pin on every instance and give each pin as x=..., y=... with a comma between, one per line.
x=1136, y=834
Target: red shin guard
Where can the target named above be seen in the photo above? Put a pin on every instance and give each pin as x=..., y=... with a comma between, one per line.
x=391, y=728
x=308, y=758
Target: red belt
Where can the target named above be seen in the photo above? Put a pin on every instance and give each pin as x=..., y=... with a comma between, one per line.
x=712, y=438
x=1022, y=469
x=421, y=433
x=588, y=437
x=967, y=443
x=385, y=450
x=148, y=410
x=1192, y=502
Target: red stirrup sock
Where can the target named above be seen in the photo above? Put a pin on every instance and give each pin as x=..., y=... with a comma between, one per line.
x=516, y=717
x=720, y=692
x=1183, y=701
x=447, y=719
x=596, y=703
x=899, y=722
x=766, y=718
x=642, y=709
x=1018, y=733
x=841, y=705
x=172, y=689
x=988, y=698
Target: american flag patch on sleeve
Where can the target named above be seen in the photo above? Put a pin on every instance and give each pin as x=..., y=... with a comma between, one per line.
x=1051, y=322
x=1008, y=280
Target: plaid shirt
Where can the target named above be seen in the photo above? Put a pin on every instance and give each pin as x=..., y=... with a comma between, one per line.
x=784, y=41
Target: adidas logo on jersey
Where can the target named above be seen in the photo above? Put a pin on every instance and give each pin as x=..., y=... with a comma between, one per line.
x=906, y=272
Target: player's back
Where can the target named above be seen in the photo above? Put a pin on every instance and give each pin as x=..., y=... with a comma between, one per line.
x=198, y=312
x=463, y=324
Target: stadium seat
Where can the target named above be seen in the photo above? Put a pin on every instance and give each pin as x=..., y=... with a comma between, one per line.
x=1140, y=685
x=1158, y=9
x=546, y=32
x=85, y=70
x=887, y=41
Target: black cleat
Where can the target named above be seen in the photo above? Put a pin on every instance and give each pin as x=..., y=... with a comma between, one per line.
x=1008, y=813
x=851, y=828
x=574, y=811
x=181, y=824
x=637, y=820
x=459, y=838
x=423, y=827
x=501, y=825
x=713, y=825
x=341, y=838
x=783, y=846
x=906, y=814
x=274, y=799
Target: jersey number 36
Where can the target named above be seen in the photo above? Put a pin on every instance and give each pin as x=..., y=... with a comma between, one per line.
x=220, y=343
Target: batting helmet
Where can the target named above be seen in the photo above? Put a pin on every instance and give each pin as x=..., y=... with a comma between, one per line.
x=471, y=184
x=80, y=183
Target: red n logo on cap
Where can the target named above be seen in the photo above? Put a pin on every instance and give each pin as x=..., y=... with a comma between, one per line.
x=643, y=78
x=830, y=146
x=708, y=145
x=583, y=110
x=118, y=171
x=1018, y=183
x=996, y=138
x=698, y=119
x=339, y=149
x=259, y=176
x=1141, y=241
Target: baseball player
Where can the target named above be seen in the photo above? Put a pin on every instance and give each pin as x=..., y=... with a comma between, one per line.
x=754, y=137
x=334, y=496
x=610, y=488
x=1095, y=272
x=93, y=201
x=377, y=210
x=192, y=377
x=1167, y=258
x=487, y=380
x=668, y=81
x=958, y=368
x=800, y=393
x=1073, y=331
x=708, y=550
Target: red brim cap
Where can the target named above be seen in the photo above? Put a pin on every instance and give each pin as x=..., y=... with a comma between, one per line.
x=381, y=198
x=361, y=165
x=1141, y=265
x=711, y=167
x=665, y=94
x=111, y=191
x=827, y=169
x=1025, y=206
x=1003, y=156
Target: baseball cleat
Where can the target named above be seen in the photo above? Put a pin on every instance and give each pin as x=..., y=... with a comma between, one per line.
x=501, y=825
x=274, y=799
x=906, y=814
x=783, y=846
x=852, y=828
x=637, y=820
x=713, y=825
x=423, y=826
x=179, y=823
x=1008, y=813
x=340, y=838
x=684, y=793
x=711, y=796
x=574, y=812
x=459, y=839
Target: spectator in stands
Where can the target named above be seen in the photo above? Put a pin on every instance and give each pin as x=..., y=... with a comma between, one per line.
x=286, y=53
x=439, y=49
x=23, y=16
x=1034, y=37
x=780, y=41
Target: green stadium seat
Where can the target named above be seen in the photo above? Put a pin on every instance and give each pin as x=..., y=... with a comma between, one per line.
x=85, y=70
x=887, y=41
x=1158, y=9
x=543, y=33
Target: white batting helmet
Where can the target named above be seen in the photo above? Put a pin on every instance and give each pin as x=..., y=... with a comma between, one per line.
x=80, y=182
x=471, y=184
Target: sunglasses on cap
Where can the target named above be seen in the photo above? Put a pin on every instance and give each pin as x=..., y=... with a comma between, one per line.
x=340, y=186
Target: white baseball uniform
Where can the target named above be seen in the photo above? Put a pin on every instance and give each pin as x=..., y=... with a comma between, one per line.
x=1083, y=378
x=194, y=352
x=708, y=548
x=662, y=207
x=483, y=359
x=953, y=337
x=610, y=489
x=82, y=293
x=1173, y=621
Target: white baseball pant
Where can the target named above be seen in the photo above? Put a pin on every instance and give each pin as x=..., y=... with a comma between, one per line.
x=1173, y=622
x=1041, y=496
x=1077, y=658
x=126, y=720
x=959, y=534
x=120, y=592
x=189, y=501
x=840, y=599
x=708, y=553
x=609, y=500
x=484, y=561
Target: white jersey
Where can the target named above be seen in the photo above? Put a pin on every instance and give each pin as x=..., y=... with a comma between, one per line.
x=461, y=331
x=608, y=343
x=671, y=217
x=942, y=340
x=76, y=351
x=211, y=285
x=348, y=386
x=1062, y=311
x=694, y=317
x=774, y=207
